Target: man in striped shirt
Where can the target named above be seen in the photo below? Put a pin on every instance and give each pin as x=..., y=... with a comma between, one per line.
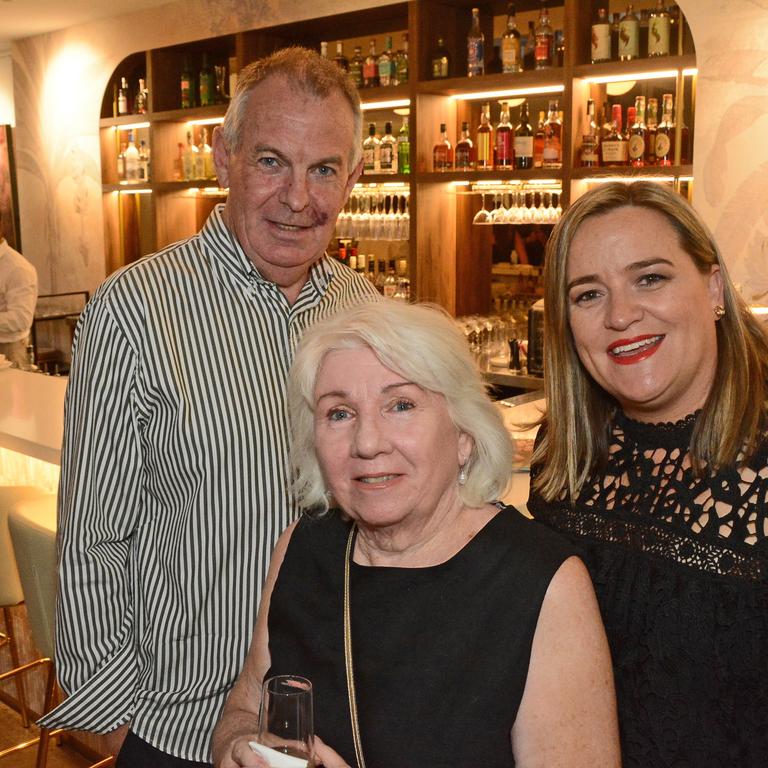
x=175, y=475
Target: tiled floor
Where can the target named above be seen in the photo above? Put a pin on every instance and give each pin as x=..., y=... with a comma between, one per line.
x=12, y=732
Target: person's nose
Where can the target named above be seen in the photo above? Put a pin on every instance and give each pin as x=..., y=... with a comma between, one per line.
x=295, y=191
x=622, y=310
x=370, y=436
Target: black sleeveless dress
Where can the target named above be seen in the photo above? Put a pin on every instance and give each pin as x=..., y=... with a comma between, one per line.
x=441, y=653
x=680, y=567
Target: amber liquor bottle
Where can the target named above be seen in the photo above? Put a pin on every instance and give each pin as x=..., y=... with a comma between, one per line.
x=465, y=150
x=442, y=153
x=484, y=140
x=589, y=139
x=652, y=124
x=665, y=135
x=638, y=136
x=613, y=148
x=552, y=156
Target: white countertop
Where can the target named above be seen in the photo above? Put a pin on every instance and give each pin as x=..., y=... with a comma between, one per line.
x=32, y=413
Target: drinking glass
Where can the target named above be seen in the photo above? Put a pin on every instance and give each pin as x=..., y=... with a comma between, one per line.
x=286, y=730
x=483, y=216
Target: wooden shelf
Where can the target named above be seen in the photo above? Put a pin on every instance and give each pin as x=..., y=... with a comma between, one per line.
x=539, y=78
x=187, y=115
x=639, y=66
x=117, y=122
x=437, y=177
x=672, y=171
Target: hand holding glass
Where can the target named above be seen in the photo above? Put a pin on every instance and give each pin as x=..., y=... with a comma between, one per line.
x=286, y=731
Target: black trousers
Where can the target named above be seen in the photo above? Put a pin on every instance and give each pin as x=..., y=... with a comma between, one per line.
x=136, y=753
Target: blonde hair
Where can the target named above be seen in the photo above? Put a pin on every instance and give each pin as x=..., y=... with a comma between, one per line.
x=579, y=411
x=422, y=344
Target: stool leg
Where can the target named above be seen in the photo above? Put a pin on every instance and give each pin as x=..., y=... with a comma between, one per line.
x=45, y=733
x=19, y=679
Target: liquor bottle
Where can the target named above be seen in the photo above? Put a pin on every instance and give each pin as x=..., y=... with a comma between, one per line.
x=140, y=102
x=233, y=72
x=441, y=61
x=371, y=150
x=442, y=153
x=324, y=49
x=665, y=134
x=122, y=97
x=613, y=148
x=207, y=83
x=484, y=140
x=475, y=47
x=652, y=121
x=388, y=151
x=511, y=52
x=356, y=68
x=131, y=160
x=403, y=148
x=206, y=156
x=538, y=141
x=629, y=35
x=505, y=140
x=638, y=135
x=544, y=40
x=552, y=156
x=559, y=55
x=465, y=150
x=178, y=163
x=529, y=49
x=604, y=124
x=121, y=161
x=190, y=155
x=381, y=275
x=524, y=140
x=390, y=280
x=340, y=59
x=386, y=64
x=601, y=37
x=185, y=83
x=631, y=118
x=589, y=140
x=401, y=62
x=658, y=31
x=370, y=67
x=143, y=161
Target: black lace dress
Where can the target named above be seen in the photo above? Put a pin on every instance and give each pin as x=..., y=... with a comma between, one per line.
x=680, y=567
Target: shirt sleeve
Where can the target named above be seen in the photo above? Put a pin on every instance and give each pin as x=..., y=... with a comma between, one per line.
x=20, y=300
x=99, y=510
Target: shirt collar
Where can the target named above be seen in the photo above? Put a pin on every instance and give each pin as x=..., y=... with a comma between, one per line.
x=227, y=249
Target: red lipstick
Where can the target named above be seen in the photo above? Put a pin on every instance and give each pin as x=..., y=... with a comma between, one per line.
x=631, y=351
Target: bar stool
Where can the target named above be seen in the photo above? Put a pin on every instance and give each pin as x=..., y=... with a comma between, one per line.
x=32, y=527
x=11, y=592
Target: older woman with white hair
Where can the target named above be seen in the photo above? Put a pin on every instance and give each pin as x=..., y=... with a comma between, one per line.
x=438, y=627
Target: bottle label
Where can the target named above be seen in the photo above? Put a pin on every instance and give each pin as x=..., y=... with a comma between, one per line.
x=369, y=156
x=663, y=145
x=475, y=57
x=510, y=55
x=484, y=154
x=386, y=157
x=629, y=39
x=440, y=67
x=385, y=71
x=523, y=146
x=463, y=157
x=369, y=70
x=589, y=150
x=504, y=154
x=614, y=151
x=543, y=50
x=658, y=36
x=601, y=42
x=636, y=148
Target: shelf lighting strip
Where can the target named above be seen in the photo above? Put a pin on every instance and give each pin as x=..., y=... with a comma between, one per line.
x=664, y=73
x=207, y=121
x=129, y=191
x=131, y=126
x=385, y=104
x=630, y=179
x=509, y=92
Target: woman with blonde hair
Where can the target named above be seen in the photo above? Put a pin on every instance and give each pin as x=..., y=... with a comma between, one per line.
x=652, y=457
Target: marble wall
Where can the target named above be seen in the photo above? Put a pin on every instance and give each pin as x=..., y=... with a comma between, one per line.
x=59, y=80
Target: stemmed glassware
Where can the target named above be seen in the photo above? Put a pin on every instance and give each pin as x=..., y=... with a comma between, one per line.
x=483, y=216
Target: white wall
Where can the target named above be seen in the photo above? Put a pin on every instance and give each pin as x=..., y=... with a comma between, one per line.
x=7, y=113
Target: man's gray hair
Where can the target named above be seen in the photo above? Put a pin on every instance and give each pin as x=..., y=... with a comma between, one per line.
x=304, y=69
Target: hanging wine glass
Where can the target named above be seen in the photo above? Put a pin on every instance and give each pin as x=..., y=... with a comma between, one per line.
x=483, y=216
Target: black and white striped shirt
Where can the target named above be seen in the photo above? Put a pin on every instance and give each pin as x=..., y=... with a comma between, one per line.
x=174, y=483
